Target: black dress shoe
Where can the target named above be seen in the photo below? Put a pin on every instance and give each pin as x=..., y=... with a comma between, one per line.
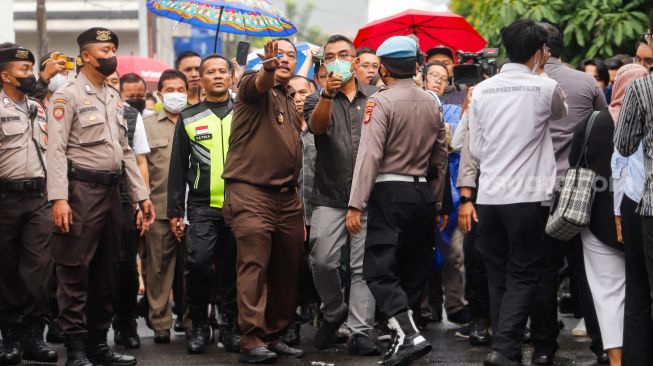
x=542, y=359
x=258, y=355
x=479, y=334
x=34, y=347
x=229, y=335
x=101, y=354
x=197, y=340
x=76, y=351
x=179, y=326
x=12, y=351
x=283, y=349
x=327, y=333
x=362, y=345
x=162, y=337
x=602, y=358
x=495, y=358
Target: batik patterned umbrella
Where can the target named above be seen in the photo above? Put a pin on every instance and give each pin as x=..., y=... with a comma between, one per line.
x=247, y=17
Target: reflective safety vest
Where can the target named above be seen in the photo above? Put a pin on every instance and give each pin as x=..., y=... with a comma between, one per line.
x=209, y=136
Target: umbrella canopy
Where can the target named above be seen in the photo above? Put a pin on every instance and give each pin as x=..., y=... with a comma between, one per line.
x=248, y=17
x=147, y=68
x=431, y=28
x=254, y=62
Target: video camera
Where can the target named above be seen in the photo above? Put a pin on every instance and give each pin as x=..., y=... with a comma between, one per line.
x=471, y=66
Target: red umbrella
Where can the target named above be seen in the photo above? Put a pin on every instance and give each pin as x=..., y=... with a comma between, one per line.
x=148, y=68
x=432, y=29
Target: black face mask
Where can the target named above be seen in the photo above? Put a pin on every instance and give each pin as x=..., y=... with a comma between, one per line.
x=107, y=66
x=137, y=103
x=27, y=84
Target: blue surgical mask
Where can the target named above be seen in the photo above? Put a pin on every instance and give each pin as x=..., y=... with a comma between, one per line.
x=340, y=67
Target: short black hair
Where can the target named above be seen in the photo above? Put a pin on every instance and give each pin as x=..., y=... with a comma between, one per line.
x=183, y=55
x=601, y=69
x=287, y=40
x=149, y=96
x=522, y=39
x=131, y=78
x=613, y=63
x=400, y=68
x=339, y=38
x=316, y=67
x=554, y=40
x=213, y=56
x=431, y=64
x=169, y=75
x=363, y=50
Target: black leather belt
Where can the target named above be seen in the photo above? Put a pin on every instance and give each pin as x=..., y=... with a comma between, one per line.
x=94, y=176
x=28, y=185
x=280, y=189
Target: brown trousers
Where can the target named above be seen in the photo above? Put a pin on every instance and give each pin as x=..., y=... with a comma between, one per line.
x=25, y=263
x=87, y=258
x=161, y=258
x=268, y=227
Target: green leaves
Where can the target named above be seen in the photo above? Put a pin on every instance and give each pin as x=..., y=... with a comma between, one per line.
x=591, y=28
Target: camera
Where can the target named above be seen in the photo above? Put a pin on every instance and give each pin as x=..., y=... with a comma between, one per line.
x=472, y=66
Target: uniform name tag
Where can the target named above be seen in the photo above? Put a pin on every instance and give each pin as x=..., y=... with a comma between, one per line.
x=9, y=118
x=91, y=108
x=206, y=136
x=202, y=133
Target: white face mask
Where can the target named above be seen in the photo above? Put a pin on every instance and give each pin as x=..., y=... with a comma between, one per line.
x=56, y=82
x=174, y=102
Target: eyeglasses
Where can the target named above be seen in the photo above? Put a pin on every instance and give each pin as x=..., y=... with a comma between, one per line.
x=437, y=77
x=646, y=62
x=342, y=56
x=368, y=66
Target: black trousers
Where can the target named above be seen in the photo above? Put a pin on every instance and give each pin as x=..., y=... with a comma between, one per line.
x=209, y=238
x=399, y=245
x=638, y=326
x=128, y=282
x=26, y=268
x=511, y=243
x=476, y=284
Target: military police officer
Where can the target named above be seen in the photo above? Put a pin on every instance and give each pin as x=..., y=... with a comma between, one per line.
x=25, y=263
x=88, y=148
x=402, y=136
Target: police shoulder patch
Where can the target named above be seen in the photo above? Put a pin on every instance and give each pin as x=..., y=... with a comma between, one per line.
x=58, y=112
x=369, y=108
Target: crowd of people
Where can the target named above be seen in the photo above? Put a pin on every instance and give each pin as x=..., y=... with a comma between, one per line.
x=367, y=202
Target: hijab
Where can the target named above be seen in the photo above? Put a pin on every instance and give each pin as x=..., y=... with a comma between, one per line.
x=625, y=75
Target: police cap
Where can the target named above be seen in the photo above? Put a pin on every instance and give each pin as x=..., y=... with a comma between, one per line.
x=397, y=47
x=97, y=35
x=12, y=54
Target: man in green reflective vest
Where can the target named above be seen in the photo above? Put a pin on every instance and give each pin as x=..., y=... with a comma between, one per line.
x=199, y=150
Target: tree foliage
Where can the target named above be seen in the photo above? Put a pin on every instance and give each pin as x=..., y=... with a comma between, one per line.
x=592, y=28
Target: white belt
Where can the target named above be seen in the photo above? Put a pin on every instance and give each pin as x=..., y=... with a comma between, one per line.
x=397, y=178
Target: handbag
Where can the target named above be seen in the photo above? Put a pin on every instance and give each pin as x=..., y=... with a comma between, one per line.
x=571, y=208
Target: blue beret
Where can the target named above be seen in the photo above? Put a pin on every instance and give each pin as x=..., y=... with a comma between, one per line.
x=397, y=47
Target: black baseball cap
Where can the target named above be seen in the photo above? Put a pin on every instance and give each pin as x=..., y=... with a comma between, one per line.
x=440, y=50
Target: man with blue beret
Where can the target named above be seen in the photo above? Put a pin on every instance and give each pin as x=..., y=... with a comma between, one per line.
x=402, y=139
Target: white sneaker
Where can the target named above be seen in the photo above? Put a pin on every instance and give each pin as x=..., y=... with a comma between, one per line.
x=580, y=330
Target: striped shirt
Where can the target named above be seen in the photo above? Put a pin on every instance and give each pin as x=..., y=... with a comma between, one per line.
x=635, y=125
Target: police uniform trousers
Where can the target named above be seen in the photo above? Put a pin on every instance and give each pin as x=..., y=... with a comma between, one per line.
x=87, y=258
x=161, y=259
x=209, y=238
x=476, y=290
x=510, y=238
x=638, y=326
x=26, y=267
x=128, y=283
x=268, y=225
x=399, y=245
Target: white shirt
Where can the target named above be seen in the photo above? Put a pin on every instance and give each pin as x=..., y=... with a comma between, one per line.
x=141, y=146
x=509, y=134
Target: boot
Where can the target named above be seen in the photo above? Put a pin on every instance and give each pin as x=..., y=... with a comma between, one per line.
x=198, y=338
x=99, y=352
x=76, y=350
x=12, y=352
x=54, y=335
x=407, y=343
x=125, y=333
x=34, y=348
x=229, y=336
x=480, y=335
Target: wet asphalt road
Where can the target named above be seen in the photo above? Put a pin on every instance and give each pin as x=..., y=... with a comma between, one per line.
x=447, y=350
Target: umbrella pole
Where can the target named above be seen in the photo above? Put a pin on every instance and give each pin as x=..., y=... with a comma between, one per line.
x=217, y=32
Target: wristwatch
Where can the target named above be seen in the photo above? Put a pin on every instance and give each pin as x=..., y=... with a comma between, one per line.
x=465, y=199
x=323, y=94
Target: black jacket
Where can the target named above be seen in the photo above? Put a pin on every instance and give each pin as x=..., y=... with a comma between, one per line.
x=598, y=158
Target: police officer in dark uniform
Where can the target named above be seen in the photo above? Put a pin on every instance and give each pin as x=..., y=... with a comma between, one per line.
x=88, y=150
x=25, y=264
x=402, y=136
